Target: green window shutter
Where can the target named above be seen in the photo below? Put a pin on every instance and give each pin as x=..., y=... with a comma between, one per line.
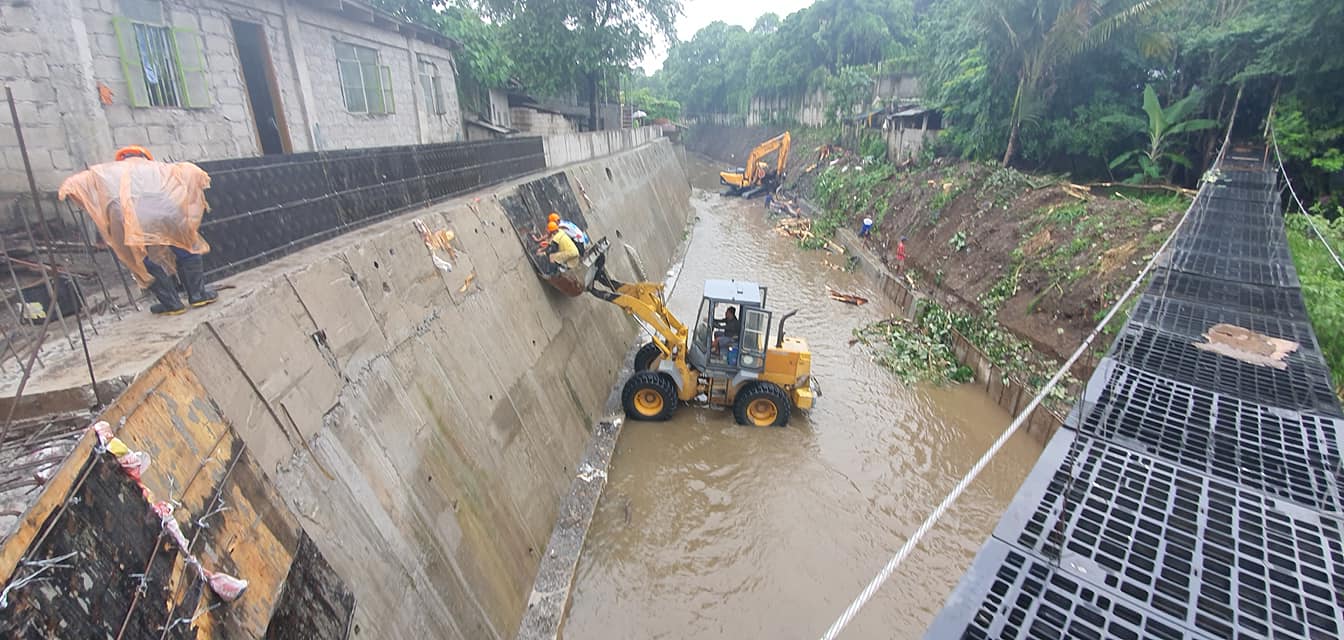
x=132, y=67
x=192, y=74
x=385, y=77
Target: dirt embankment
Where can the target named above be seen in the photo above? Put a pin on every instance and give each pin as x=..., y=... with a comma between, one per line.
x=1050, y=258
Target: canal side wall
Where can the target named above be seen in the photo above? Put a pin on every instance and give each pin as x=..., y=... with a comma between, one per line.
x=1003, y=388
x=391, y=440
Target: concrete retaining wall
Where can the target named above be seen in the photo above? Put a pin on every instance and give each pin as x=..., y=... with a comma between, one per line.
x=1003, y=388
x=417, y=427
x=730, y=144
x=568, y=148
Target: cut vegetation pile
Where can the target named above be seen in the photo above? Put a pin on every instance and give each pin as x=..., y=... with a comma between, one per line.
x=1038, y=255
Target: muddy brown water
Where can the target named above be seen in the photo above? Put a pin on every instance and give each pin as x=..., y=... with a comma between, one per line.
x=712, y=530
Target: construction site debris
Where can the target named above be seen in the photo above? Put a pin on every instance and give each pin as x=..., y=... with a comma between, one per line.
x=134, y=463
x=1247, y=346
x=847, y=298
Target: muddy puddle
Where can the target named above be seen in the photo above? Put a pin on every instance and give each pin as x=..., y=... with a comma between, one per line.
x=712, y=530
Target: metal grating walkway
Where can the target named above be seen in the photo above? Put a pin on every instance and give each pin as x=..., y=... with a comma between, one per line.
x=1192, y=495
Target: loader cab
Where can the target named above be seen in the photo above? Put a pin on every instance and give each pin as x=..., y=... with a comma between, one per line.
x=714, y=350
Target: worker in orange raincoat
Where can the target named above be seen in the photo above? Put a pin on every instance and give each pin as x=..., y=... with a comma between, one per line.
x=149, y=213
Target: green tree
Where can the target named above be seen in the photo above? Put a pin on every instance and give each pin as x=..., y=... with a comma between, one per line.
x=1033, y=39
x=564, y=43
x=1165, y=125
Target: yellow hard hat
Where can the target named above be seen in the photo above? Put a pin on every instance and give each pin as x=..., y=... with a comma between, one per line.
x=552, y=227
x=554, y=217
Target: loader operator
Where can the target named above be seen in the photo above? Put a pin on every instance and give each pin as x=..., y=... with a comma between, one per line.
x=729, y=328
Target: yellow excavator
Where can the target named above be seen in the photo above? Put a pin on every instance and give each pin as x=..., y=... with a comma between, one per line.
x=758, y=176
x=762, y=382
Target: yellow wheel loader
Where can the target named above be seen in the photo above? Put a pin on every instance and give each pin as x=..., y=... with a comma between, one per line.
x=758, y=176
x=763, y=381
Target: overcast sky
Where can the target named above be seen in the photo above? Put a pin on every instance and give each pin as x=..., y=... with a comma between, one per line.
x=702, y=12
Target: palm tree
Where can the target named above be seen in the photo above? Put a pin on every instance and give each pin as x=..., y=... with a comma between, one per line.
x=1035, y=37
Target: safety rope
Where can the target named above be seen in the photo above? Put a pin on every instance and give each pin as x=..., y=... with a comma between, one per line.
x=938, y=512
x=1274, y=138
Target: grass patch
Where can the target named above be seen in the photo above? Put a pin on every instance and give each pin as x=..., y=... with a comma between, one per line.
x=1322, y=284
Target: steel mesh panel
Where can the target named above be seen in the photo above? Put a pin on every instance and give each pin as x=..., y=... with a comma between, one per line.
x=1281, y=302
x=263, y=208
x=1295, y=456
x=1265, y=192
x=1237, y=268
x=1191, y=320
x=1222, y=240
x=1009, y=593
x=1304, y=385
x=1220, y=558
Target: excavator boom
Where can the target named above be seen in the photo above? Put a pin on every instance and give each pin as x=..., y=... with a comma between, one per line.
x=757, y=173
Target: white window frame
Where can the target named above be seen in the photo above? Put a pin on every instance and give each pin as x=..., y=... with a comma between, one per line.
x=431, y=84
x=366, y=83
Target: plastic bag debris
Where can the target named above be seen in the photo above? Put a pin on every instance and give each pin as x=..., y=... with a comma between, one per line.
x=227, y=587
x=589, y=473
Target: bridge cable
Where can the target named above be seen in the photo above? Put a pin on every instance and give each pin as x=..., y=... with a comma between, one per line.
x=1273, y=136
x=906, y=549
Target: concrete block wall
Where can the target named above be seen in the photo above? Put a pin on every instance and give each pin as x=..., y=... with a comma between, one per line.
x=421, y=425
x=569, y=148
x=336, y=128
x=59, y=52
x=540, y=123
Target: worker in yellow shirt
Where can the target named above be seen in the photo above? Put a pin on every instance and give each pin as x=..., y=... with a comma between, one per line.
x=562, y=250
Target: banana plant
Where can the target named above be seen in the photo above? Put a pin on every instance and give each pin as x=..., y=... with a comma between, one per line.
x=1164, y=126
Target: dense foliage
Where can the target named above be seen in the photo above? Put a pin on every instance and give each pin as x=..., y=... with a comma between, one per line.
x=551, y=46
x=1054, y=85
x=1322, y=284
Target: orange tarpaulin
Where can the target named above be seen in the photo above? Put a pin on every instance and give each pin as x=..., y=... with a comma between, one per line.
x=142, y=207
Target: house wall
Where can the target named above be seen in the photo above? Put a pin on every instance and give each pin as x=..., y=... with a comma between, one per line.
x=336, y=128
x=540, y=123
x=58, y=53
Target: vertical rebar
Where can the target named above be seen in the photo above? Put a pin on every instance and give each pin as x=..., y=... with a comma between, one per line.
x=121, y=275
x=18, y=292
x=52, y=302
x=88, y=360
x=27, y=373
x=93, y=262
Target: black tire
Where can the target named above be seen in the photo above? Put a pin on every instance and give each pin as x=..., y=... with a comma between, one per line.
x=757, y=393
x=649, y=396
x=647, y=354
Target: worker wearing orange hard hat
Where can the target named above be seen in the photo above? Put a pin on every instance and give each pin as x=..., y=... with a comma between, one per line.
x=149, y=212
x=562, y=250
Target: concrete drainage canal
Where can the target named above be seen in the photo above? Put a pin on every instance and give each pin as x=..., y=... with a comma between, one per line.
x=707, y=529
